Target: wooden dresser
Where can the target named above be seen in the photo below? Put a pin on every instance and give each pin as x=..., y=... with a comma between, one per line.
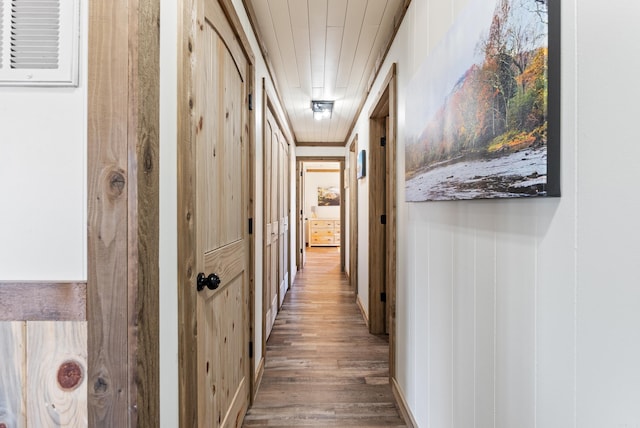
x=324, y=232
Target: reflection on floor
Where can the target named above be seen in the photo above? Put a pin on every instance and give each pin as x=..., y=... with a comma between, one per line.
x=323, y=368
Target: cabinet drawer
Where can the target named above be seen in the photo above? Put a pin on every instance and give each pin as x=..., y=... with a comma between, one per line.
x=322, y=232
x=322, y=224
x=322, y=239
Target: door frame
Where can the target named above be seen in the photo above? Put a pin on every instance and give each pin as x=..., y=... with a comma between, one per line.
x=300, y=244
x=382, y=266
x=353, y=215
x=187, y=323
x=300, y=199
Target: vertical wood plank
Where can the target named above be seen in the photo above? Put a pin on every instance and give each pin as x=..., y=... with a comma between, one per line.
x=12, y=374
x=377, y=248
x=122, y=287
x=57, y=368
x=391, y=238
x=186, y=225
x=143, y=213
x=107, y=214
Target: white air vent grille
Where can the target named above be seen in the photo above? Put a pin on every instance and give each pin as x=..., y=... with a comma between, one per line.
x=1, y=31
x=35, y=34
x=39, y=42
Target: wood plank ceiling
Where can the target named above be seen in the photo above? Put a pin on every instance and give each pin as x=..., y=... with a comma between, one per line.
x=324, y=50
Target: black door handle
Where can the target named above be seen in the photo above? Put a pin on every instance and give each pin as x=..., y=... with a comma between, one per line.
x=211, y=282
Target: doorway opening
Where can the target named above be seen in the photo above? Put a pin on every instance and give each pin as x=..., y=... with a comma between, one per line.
x=320, y=205
x=382, y=214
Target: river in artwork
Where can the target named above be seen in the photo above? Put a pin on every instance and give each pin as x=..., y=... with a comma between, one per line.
x=519, y=174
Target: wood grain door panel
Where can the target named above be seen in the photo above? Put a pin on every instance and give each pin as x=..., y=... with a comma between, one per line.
x=276, y=275
x=222, y=244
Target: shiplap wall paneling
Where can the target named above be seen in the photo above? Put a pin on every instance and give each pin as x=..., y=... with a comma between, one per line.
x=57, y=368
x=282, y=27
x=354, y=14
x=317, y=25
x=43, y=370
x=12, y=374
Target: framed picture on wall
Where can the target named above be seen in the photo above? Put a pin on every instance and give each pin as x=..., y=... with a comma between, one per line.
x=361, y=166
x=483, y=110
x=329, y=196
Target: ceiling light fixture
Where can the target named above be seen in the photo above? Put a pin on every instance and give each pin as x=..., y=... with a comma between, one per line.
x=321, y=109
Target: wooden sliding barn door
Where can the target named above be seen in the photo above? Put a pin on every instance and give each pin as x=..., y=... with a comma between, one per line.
x=222, y=246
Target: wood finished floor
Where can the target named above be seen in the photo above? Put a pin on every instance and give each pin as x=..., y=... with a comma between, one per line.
x=323, y=368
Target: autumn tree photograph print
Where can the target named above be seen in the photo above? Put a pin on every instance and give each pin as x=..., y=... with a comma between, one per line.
x=477, y=109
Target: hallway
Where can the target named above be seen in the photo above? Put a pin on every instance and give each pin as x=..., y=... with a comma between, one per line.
x=323, y=368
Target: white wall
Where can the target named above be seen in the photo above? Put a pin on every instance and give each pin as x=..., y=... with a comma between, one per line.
x=293, y=219
x=363, y=218
x=312, y=181
x=525, y=312
x=43, y=151
x=607, y=238
x=168, y=252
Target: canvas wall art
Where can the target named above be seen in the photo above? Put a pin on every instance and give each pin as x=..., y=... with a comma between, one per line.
x=361, y=165
x=328, y=196
x=483, y=110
